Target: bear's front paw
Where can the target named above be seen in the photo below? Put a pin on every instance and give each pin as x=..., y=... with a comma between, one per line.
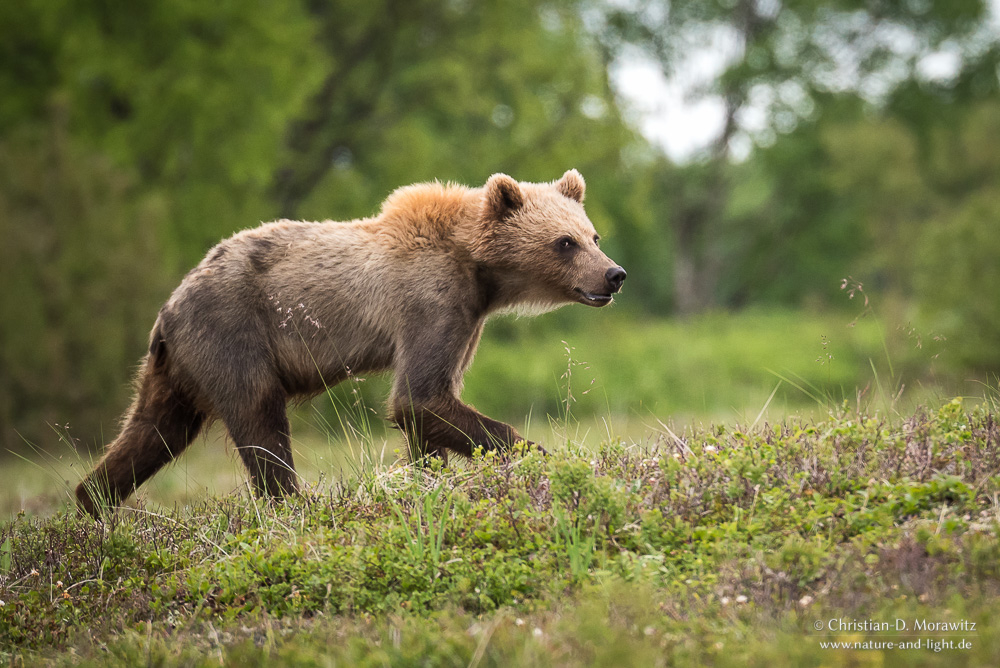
x=524, y=445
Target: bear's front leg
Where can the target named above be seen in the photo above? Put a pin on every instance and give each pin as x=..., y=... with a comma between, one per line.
x=425, y=403
x=446, y=423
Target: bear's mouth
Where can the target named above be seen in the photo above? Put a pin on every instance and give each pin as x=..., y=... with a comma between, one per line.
x=593, y=299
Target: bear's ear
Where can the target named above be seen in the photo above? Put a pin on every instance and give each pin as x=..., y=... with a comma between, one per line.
x=571, y=185
x=503, y=196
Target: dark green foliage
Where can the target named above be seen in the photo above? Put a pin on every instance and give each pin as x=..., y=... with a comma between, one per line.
x=134, y=136
x=859, y=163
x=82, y=270
x=140, y=135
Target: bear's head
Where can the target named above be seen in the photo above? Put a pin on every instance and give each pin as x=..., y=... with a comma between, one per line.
x=541, y=246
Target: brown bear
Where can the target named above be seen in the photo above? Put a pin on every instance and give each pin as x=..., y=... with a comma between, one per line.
x=289, y=308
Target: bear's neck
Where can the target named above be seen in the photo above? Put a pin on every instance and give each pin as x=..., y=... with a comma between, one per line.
x=493, y=294
x=503, y=291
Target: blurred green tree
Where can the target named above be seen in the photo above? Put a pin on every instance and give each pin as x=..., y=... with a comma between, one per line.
x=450, y=91
x=784, y=65
x=931, y=204
x=133, y=136
x=136, y=135
x=81, y=267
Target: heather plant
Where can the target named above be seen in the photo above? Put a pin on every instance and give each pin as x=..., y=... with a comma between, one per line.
x=711, y=532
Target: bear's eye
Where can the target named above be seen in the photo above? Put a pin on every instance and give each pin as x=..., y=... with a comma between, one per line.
x=566, y=243
x=597, y=239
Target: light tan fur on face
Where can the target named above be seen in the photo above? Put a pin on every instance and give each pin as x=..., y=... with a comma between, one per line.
x=288, y=308
x=524, y=242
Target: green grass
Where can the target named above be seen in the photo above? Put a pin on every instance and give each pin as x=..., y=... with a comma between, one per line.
x=705, y=546
x=715, y=487
x=623, y=366
x=711, y=367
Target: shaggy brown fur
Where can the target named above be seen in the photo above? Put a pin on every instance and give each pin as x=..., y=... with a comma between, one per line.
x=289, y=308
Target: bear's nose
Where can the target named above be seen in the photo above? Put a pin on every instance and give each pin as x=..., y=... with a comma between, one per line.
x=615, y=276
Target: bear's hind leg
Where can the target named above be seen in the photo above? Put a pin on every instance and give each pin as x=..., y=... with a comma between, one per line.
x=159, y=427
x=262, y=437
